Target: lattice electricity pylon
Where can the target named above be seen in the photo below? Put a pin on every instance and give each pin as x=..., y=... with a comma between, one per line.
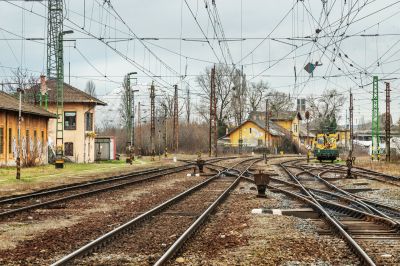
x=375, y=119
x=55, y=69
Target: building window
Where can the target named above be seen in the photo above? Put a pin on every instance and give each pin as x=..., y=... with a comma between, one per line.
x=250, y=130
x=10, y=140
x=89, y=121
x=295, y=128
x=69, y=149
x=27, y=139
x=1, y=140
x=70, y=120
x=42, y=139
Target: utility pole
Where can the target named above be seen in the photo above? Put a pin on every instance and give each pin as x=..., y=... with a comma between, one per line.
x=240, y=112
x=266, y=126
x=139, y=124
x=212, y=113
x=351, y=123
x=176, y=120
x=133, y=126
x=307, y=114
x=350, y=159
x=165, y=131
x=188, y=105
x=375, y=120
x=267, y=118
x=345, y=133
x=159, y=137
x=215, y=121
x=387, y=122
x=18, y=176
x=131, y=118
x=152, y=120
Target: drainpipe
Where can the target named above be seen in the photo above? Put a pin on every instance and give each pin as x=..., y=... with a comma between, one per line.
x=84, y=134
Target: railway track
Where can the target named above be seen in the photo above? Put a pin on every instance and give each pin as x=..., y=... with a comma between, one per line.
x=13, y=205
x=370, y=228
x=357, y=172
x=163, y=230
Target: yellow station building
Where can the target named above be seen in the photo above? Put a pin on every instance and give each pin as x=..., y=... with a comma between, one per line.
x=254, y=132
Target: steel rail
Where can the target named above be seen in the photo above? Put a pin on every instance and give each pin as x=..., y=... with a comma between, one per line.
x=64, y=188
x=59, y=189
x=333, y=187
x=365, y=171
x=367, y=206
x=88, y=193
x=102, y=240
x=177, y=245
x=389, y=221
x=332, y=221
x=353, y=199
x=362, y=255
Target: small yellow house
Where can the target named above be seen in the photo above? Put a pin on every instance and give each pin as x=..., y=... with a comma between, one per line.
x=254, y=134
x=288, y=120
x=283, y=126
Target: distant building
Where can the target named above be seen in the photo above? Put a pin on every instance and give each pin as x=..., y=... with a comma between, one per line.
x=79, y=116
x=282, y=124
x=34, y=132
x=288, y=120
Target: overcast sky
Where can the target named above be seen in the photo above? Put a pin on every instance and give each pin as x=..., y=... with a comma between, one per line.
x=275, y=39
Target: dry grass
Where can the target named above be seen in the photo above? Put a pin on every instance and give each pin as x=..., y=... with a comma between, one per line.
x=392, y=168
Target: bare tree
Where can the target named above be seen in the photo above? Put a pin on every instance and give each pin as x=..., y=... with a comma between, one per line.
x=90, y=88
x=239, y=97
x=166, y=101
x=255, y=92
x=279, y=101
x=22, y=79
x=326, y=108
x=187, y=105
x=224, y=84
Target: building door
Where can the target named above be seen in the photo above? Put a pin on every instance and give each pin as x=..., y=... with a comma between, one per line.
x=102, y=151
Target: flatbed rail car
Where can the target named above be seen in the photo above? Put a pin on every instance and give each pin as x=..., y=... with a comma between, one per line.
x=325, y=147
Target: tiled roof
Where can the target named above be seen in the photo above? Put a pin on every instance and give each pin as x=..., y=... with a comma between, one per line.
x=281, y=115
x=9, y=103
x=71, y=94
x=274, y=129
